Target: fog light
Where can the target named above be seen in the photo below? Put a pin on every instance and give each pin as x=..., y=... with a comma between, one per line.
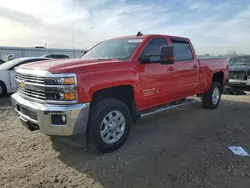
x=58, y=120
x=64, y=118
x=70, y=96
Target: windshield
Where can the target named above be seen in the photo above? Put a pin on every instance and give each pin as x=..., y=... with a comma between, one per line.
x=7, y=65
x=121, y=49
x=242, y=60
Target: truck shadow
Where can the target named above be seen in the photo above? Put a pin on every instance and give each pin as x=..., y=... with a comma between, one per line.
x=185, y=146
x=235, y=91
x=5, y=101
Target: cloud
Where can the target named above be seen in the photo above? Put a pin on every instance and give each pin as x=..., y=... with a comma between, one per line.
x=214, y=27
x=200, y=6
x=18, y=16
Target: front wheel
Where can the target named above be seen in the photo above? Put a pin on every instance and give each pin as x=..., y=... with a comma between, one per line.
x=2, y=89
x=211, y=98
x=109, y=124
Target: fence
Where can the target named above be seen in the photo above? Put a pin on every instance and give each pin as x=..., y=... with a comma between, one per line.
x=35, y=52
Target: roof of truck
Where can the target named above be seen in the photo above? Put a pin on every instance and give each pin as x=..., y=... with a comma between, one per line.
x=151, y=35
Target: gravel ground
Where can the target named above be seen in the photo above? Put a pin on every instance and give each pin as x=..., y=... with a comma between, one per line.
x=184, y=147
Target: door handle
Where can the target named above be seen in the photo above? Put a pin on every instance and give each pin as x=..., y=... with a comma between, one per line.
x=171, y=68
x=195, y=66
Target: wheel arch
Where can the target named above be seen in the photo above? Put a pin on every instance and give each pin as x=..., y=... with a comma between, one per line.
x=124, y=93
x=4, y=86
x=219, y=77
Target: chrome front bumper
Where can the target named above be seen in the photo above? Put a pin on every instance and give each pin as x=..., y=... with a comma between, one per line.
x=239, y=82
x=76, y=114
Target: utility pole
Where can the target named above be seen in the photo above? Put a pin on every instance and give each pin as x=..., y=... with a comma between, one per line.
x=73, y=38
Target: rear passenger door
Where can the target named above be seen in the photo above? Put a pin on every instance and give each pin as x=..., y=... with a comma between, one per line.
x=186, y=67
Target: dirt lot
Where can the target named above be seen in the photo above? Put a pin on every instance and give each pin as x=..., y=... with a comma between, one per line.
x=185, y=147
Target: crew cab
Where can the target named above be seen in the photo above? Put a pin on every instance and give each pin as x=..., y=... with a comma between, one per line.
x=96, y=98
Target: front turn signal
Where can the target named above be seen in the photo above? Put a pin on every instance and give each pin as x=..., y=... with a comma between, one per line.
x=70, y=96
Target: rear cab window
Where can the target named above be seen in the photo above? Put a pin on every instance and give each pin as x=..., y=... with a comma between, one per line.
x=182, y=50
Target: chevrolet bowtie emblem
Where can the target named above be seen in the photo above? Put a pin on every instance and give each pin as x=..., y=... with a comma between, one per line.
x=22, y=84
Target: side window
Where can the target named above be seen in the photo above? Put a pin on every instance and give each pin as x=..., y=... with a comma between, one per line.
x=182, y=50
x=154, y=46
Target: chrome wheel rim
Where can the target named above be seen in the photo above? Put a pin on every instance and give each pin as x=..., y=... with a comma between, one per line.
x=216, y=95
x=112, y=127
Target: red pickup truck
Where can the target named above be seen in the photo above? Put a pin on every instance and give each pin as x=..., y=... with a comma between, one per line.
x=96, y=98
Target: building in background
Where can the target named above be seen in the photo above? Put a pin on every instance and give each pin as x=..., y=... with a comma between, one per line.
x=8, y=53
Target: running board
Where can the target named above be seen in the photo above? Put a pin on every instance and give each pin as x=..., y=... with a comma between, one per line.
x=166, y=107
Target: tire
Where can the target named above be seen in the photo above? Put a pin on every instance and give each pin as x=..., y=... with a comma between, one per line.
x=211, y=98
x=105, y=109
x=2, y=89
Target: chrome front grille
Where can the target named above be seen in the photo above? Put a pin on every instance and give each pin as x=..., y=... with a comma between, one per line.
x=45, y=87
x=237, y=75
x=32, y=93
x=30, y=78
x=27, y=87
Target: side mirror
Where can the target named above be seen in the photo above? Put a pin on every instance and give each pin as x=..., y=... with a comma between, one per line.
x=167, y=55
x=85, y=52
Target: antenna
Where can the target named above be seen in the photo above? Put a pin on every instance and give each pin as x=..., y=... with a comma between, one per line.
x=73, y=37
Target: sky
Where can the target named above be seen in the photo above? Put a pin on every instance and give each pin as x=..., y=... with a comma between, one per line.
x=214, y=26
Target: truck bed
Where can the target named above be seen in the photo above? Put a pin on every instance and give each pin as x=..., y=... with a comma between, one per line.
x=208, y=67
x=214, y=63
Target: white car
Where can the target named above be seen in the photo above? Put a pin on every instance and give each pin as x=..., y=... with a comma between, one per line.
x=7, y=73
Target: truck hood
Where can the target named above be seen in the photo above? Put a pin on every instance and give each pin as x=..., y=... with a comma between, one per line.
x=240, y=68
x=71, y=65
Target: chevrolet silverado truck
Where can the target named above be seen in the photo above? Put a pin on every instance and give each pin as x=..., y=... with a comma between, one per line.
x=98, y=96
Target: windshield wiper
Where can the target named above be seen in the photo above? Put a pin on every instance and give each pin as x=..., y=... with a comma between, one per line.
x=105, y=58
x=242, y=64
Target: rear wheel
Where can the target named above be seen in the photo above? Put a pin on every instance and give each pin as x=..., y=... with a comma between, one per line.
x=2, y=89
x=109, y=124
x=211, y=98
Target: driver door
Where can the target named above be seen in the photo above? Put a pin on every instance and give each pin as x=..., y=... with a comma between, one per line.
x=157, y=81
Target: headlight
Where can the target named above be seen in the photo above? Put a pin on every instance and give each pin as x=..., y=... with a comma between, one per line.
x=62, y=96
x=60, y=81
x=61, y=88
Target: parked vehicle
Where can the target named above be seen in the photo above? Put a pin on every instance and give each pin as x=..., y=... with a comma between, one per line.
x=8, y=57
x=96, y=98
x=56, y=56
x=7, y=73
x=239, y=73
